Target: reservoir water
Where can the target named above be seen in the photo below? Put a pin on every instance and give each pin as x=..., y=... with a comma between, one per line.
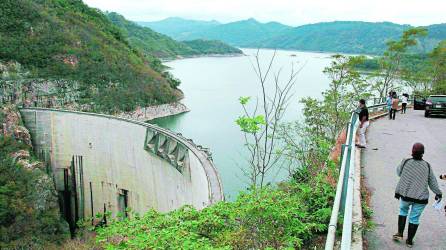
x=212, y=87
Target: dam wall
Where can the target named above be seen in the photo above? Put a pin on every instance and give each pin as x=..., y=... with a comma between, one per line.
x=103, y=164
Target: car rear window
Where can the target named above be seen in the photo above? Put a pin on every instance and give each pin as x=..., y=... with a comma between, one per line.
x=438, y=98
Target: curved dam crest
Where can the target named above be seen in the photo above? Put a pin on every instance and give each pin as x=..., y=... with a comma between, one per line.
x=103, y=163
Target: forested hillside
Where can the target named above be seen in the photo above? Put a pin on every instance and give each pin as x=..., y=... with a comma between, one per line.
x=179, y=28
x=339, y=36
x=212, y=47
x=352, y=37
x=152, y=43
x=149, y=41
x=66, y=39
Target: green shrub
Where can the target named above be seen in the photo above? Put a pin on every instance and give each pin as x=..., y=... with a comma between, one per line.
x=29, y=213
x=287, y=216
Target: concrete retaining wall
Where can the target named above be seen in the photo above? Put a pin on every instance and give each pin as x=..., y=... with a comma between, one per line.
x=110, y=157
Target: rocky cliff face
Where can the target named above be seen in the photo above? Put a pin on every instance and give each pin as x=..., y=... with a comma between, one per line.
x=29, y=210
x=17, y=89
x=11, y=125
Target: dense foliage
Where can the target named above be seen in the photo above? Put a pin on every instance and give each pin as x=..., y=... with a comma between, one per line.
x=67, y=39
x=152, y=43
x=438, y=62
x=211, y=47
x=288, y=216
x=29, y=214
x=179, y=28
x=149, y=41
x=424, y=73
x=339, y=36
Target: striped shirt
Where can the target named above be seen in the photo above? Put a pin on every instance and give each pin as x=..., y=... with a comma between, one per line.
x=415, y=178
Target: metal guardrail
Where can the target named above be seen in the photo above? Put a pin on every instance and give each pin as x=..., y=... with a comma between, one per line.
x=343, y=203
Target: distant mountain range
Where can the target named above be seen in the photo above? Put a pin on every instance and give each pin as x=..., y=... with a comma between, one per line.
x=152, y=43
x=338, y=36
x=179, y=28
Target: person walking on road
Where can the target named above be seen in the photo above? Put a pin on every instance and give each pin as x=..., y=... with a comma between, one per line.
x=404, y=100
x=394, y=108
x=363, y=123
x=416, y=175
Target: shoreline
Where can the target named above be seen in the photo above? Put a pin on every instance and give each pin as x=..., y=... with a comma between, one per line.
x=312, y=51
x=202, y=55
x=144, y=114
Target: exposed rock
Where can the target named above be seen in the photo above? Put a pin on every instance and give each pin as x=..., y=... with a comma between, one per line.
x=20, y=155
x=31, y=166
x=10, y=125
x=11, y=116
x=47, y=197
x=18, y=87
x=22, y=134
x=152, y=112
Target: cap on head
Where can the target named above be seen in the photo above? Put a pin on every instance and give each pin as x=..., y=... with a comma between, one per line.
x=418, y=151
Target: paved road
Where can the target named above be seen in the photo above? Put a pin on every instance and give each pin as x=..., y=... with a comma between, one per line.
x=388, y=142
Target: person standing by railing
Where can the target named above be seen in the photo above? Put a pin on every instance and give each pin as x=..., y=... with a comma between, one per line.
x=363, y=123
x=416, y=175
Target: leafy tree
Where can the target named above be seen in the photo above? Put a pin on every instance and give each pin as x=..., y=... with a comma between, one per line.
x=325, y=118
x=438, y=62
x=307, y=144
x=418, y=78
x=305, y=152
x=389, y=64
x=260, y=125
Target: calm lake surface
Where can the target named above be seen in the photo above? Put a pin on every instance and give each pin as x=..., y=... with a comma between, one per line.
x=212, y=87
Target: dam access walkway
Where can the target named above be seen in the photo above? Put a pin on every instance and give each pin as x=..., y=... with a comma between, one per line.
x=389, y=141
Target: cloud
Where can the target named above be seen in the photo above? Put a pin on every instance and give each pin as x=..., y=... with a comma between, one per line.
x=292, y=12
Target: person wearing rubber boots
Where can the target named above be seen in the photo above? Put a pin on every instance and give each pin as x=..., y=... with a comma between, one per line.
x=416, y=176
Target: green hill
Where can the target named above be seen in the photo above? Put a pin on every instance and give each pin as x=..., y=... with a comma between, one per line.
x=179, y=28
x=243, y=33
x=211, y=47
x=351, y=37
x=339, y=36
x=437, y=33
x=66, y=39
x=153, y=43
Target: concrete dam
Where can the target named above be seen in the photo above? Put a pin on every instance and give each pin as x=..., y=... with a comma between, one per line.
x=103, y=164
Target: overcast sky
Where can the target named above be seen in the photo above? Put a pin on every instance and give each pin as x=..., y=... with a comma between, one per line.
x=291, y=12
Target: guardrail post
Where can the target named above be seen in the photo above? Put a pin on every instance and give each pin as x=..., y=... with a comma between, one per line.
x=342, y=155
x=345, y=180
